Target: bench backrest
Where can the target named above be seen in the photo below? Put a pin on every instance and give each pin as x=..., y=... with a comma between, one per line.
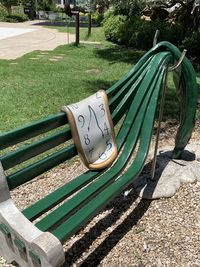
x=36, y=130
x=24, y=153
x=121, y=95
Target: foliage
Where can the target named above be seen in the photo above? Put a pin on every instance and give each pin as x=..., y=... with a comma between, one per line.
x=97, y=18
x=114, y=28
x=128, y=7
x=46, y=5
x=184, y=12
x=8, y=5
x=102, y=5
x=191, y=43
x=15, y=18
x=139, y=33
x=3, y=12
x=178, y=24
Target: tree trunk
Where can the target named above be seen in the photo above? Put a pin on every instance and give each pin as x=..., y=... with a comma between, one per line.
x=9, y=10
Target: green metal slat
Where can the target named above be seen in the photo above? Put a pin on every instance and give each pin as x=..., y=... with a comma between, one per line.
x=120, y=94
x=113, y=89
x=47, y=223
x=49, y=201
x=77, y=201
x=41, y=166
x=52, y=199
x=77, y=220
x=23, y=173
x=128, y=98
x=57, y=196
x=187, y=98
x=32, y=150
x=31, y=130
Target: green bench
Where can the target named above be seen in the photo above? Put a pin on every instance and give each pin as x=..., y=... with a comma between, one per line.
x=133, y=102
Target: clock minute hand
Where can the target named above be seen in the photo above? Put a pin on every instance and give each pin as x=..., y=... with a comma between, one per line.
x=92, y=111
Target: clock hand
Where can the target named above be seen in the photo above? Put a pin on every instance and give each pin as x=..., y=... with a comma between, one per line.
x=92, y=111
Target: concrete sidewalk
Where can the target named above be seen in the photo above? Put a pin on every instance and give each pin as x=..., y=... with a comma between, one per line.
x=39, y=38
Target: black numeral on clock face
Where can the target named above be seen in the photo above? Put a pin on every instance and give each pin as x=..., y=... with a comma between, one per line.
x=102, y=109
x=81, y=119
x=106, y=129
x=87, y=139
x=103, y=156
x=109, y=145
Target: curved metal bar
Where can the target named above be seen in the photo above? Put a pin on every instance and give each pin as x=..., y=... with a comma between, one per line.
x=162, y=109
x=155, y=39
x=179, y=62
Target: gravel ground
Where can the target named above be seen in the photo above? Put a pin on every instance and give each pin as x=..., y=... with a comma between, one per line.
x=130, y=231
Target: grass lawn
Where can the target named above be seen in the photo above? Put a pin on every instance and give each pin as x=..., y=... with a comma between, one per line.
x=96, y=36
x=39, y=83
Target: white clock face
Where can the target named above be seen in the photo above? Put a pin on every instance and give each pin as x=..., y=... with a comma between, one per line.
x=94, y=128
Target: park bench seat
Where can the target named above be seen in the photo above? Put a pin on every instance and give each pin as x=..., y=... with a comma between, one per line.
x=133, y=103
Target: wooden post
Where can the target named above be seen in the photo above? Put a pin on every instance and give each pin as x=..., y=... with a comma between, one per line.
x=76, y=13
x=89, y=24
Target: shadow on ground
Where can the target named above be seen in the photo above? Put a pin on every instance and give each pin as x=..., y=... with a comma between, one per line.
x=118, y=54
x=94, y=259
x=95, y=85
x=119, y=206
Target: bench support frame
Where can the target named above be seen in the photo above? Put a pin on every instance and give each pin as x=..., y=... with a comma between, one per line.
x=20, y=240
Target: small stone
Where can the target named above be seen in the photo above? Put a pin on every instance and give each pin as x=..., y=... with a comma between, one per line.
x=93, y=71
x=34, y=58
x=53, y=59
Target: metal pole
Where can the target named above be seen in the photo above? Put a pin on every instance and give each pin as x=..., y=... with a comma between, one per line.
x=159, y=124
x=36, y=9
x=162, y=108
x=89, y=24
x=155, y=39
x=76, y=13
x=77, y=29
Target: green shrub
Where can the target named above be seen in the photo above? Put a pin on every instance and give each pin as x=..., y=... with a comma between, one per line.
x=3, y=12
x=47, y=5
x=107, y=14
x=114, y=28
x=145, y=31
x=14, y=18
x=174, y=34
x=97, y=18
x=139, y=33
x=142, y=37
x=191, y=43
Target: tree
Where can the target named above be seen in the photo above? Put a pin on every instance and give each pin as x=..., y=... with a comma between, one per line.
x=8, y=5
x=102, y=5
x=128, y=7
x=185, y=12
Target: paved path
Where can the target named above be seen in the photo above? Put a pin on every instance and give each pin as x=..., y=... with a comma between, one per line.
x=17, y=39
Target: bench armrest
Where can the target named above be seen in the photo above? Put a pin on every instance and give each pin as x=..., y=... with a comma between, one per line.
x=20, y=240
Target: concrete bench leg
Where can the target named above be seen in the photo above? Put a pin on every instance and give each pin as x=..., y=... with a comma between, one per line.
x=20, y=240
